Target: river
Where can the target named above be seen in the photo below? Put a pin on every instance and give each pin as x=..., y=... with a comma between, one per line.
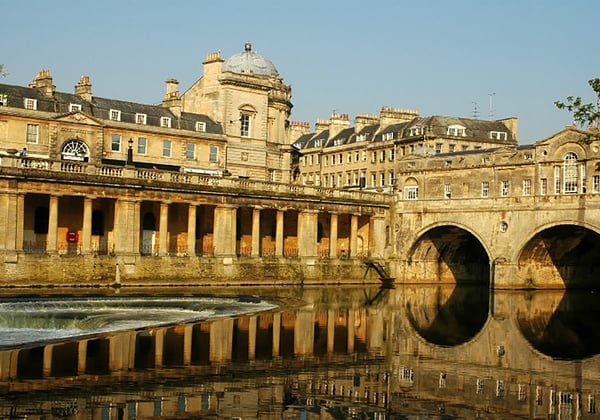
x=406, y=352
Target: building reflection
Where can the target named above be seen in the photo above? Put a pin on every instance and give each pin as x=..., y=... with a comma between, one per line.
x=339, y=354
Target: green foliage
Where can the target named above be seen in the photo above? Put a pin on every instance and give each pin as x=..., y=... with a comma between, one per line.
x=586, y=115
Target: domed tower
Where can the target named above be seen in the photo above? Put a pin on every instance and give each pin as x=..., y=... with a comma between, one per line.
x=246, y=95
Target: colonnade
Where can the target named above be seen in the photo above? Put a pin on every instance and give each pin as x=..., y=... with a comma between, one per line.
x=76, y=224
x=304, y=332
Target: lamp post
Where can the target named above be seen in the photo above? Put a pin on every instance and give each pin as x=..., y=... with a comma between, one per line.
x=130, y=152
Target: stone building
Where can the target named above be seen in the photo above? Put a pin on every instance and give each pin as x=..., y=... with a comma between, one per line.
x=364, y=156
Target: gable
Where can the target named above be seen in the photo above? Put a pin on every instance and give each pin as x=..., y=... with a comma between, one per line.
x=78, y=117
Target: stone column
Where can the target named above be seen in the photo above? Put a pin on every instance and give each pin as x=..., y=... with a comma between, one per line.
x=252, y=337
x=52, y=238
x=159, y=346
x=191, y=230
x=82, y=356
x=47, y=361
x=187, y=344
x=304, y=333
x=353, y=235
x=377, y=236
x=20, y=222
x=307, y=233
x=330, y=330
x=164, y=229
x=11, y=221
x=350, y=329
x=279, y=234
x=127, y=227
x=225, y=231
x=333, y=236
x=256, y=232
x=86, y=230
x=276, y=333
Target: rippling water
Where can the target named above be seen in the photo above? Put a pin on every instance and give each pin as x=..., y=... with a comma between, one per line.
x=41, y=319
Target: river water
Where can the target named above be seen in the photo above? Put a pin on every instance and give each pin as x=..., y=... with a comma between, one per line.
x=409, y=352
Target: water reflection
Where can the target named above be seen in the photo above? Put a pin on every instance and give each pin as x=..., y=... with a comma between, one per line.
x=323, y=353
x=561, y=324
x=447, y=315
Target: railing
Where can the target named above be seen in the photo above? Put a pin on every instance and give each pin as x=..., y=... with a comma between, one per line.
x=110, y=171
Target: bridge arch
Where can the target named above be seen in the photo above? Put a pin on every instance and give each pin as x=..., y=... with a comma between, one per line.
x=561, y=255
x=448, y=253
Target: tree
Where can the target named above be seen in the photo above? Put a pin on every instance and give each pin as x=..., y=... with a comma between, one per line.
x=2, y=72
x=586, y=115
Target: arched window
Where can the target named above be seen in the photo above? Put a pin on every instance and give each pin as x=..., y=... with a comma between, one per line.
x=570, y=173
x=75, y=150
x=411, y=189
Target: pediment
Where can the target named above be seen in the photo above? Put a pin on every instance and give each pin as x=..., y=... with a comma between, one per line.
x=79, y=117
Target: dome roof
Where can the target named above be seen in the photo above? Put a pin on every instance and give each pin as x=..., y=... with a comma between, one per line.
x=249, y=62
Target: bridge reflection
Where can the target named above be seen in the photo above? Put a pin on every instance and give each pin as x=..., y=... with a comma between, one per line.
x=336, y=353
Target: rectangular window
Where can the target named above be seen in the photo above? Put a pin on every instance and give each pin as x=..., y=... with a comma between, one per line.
x=30, y=103
x=74, y=107
x=392, y=179
x=527, y=186
x=311, y=160
x=339, y=180
x=543, y=186
x=349, y=157
x=167, y=148
x=447, y=191
x=373, y=179
x=411, y=192
x=557, y=180
x=165, y=122
x=140, y=119
x=364, y=155
x=245, y=125
x=451, y=148
x=498, y=135
x=596, y=184
x=485, y=189
x=3, y=99
x=374, y=157
x=392, y=154
x=214, y=154
x=200, y=126
x=382, y=179
x=438, y=148
x=504, y=185
x=33, y=131
x=340, y=159
x=114, y=115
x=115, y=143
x=190, y=151
x=142, y=146
x=383, y=155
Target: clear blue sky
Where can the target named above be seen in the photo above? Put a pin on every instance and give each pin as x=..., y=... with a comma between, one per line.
x=439, y=57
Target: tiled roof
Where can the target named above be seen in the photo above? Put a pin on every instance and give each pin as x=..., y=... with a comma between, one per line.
x=100, y=108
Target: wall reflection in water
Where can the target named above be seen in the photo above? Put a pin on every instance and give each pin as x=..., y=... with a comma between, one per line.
x=340, y=353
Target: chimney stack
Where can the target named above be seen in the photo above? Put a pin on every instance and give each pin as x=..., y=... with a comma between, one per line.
x=43, y=82
x=84, y=88
x=172, y=99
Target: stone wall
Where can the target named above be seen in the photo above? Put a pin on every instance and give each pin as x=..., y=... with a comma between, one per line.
x=25, y=270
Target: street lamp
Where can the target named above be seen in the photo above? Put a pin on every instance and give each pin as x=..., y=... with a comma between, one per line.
x=130, y=152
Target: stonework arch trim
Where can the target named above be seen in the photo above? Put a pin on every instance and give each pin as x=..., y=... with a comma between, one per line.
x=518, y=253
x=420, y=233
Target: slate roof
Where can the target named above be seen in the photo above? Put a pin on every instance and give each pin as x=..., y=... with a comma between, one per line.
x=100, y=108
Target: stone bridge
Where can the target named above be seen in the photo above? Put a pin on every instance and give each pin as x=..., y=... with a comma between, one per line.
x=525, y=242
